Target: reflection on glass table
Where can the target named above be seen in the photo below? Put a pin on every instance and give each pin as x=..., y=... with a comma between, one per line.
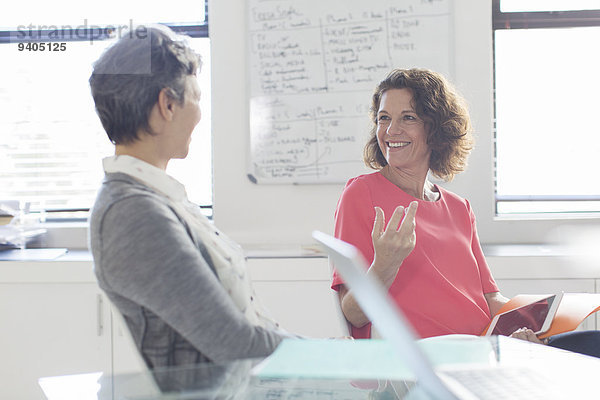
x=321, y=372
x=233, y=381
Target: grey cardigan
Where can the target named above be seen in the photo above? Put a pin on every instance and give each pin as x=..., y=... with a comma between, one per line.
x=160, y=276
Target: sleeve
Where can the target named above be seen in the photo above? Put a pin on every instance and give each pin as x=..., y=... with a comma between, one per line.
x=354, y=217
x=487, y=280
x=148, y=257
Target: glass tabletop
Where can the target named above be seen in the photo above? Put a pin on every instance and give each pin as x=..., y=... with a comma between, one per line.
x=299, y=369
x=232, y=381
x=340, y=370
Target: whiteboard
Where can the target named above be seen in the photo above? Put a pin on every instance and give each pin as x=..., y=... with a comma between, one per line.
x=313, y=66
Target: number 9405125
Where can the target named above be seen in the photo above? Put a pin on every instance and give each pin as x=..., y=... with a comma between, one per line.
x=35, y=46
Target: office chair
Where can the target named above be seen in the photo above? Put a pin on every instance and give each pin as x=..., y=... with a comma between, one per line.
x=143, y=379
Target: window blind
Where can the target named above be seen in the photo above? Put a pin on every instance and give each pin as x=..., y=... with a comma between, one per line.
x=51, y=140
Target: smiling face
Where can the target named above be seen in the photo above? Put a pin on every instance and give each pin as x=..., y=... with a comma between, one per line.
x=401, y=133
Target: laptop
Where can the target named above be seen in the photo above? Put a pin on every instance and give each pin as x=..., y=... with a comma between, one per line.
x=468, y=382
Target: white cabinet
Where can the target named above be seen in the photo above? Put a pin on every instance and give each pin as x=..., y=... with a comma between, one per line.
x=297, y=294
x=51, y=329
x=55, y=320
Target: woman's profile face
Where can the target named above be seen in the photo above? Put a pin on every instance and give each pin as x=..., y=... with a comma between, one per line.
x=401, y=133
x=186, y=119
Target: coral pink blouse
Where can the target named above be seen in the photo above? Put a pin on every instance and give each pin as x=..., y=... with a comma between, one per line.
x=440, y=286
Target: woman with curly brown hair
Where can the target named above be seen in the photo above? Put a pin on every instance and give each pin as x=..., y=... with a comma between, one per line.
x=430, y=261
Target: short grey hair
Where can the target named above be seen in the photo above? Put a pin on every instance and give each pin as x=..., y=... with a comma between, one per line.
x=130, y=74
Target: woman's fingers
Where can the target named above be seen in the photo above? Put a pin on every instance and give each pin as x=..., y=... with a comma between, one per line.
x=396, y=240
x=408, y=223
x=378, y=224
x=392, y=244
x=526, y=334
x=394, y=223
x=402, y=221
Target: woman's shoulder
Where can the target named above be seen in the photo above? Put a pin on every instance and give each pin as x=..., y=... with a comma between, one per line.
x=371, y=180
x=452, y=199
x=362, y=178
x=124, y=196
x=361, y=186
x=357, y=194
x=119, y=185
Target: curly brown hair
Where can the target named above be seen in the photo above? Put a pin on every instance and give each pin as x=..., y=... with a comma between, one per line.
x=446, y=117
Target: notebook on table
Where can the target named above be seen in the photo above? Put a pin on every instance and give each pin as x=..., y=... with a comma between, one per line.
x=462, y=382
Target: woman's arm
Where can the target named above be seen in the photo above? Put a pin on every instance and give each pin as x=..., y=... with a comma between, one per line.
x=495, y=302
x=149, y=258
x=392, y=245
x=351, y=309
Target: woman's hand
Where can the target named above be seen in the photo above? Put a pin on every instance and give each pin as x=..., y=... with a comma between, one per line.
x=495, y=302
x=527, y=334
x=394, y=243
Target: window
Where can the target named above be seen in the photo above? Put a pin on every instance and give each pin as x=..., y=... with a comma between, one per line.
x=52, y=142
x=547, y=80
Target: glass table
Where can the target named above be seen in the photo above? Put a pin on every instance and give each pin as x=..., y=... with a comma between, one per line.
x=315, y=376
x=232, y=381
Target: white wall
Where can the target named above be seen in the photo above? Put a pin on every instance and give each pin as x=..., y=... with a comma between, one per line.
x=285, y=214
x=247, y=212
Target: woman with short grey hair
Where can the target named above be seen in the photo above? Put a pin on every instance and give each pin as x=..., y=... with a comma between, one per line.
x=179, y=282
x=129, y=76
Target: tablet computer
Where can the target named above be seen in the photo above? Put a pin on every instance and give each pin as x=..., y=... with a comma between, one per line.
x=536, y=316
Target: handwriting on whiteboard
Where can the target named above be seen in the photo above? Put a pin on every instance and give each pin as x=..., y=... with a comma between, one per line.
x=313, y=69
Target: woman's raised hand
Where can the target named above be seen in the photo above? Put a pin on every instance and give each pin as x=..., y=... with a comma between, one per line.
x=394, y=243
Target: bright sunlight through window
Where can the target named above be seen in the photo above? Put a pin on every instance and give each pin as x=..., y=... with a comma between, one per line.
x=52, y=142
x=547, y=134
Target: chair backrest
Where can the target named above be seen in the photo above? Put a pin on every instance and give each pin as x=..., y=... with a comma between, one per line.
x=126, y=356
x=128, y=361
